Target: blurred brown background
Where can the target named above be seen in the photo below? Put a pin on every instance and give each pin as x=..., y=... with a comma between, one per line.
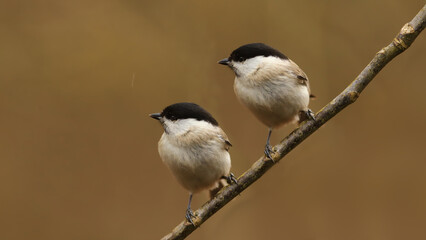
x=79, y=154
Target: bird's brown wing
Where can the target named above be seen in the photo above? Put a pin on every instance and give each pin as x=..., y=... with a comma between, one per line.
x=224, y=138
x=301, y=76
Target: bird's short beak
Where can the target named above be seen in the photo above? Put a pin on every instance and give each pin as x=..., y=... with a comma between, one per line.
x=224, y=61
x=155, y=115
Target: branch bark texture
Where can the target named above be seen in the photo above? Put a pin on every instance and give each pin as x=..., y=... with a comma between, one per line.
x=400, y=43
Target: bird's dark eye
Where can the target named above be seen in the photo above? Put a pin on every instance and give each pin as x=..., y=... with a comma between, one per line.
x=241, y=59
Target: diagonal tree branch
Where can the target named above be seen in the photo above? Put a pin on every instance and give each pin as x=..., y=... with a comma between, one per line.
x=400, y=43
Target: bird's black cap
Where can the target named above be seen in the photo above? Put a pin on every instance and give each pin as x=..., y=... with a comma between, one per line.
x=253, y=50
x=186, y=110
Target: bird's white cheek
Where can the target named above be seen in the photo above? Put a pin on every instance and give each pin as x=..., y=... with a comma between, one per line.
x=244, y=69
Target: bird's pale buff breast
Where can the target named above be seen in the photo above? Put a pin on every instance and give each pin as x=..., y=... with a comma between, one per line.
x=274, y=102
x=197, y=162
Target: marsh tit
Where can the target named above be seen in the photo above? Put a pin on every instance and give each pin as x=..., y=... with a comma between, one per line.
x=194, y=148
x=271, y=85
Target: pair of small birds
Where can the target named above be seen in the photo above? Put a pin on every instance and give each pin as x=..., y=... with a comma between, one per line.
x=193, y=145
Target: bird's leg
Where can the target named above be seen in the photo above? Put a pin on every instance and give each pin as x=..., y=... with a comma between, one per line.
x=214, y=191
x=310, y=114
x=230, y=179
x=268, y=148
x=189, y=214
x=305, y=115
